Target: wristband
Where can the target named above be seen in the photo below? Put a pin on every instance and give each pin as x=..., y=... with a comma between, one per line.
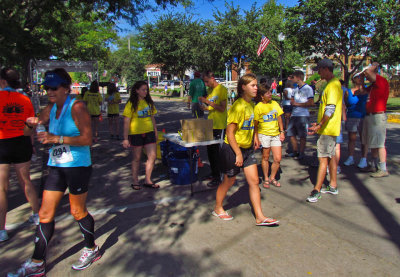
x=27, y=125
x=61, y=140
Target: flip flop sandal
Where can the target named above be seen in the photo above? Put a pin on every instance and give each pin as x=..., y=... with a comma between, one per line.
x=266, y=184
x=152, y=186
x=223, y=216
x=136, y=187
x=275, y=183
x=268, y=221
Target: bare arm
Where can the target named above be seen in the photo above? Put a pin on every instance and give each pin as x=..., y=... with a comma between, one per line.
x=281, y=130
x=309, y=103
x=230, y=134
x=155, y=126
x=127, y=125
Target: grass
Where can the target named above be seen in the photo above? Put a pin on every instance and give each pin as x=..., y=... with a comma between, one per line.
x=393, y=104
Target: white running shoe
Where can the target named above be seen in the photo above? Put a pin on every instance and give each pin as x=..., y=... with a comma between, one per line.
x=87, y=258
x=349, y=161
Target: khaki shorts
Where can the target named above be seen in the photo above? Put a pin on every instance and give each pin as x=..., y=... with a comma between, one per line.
x=326, y=146
x=268, y=141
x=374, y=130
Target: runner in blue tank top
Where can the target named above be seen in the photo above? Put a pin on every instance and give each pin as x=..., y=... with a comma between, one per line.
x=70, y=135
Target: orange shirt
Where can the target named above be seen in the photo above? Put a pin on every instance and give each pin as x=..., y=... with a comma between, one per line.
x=15, y=108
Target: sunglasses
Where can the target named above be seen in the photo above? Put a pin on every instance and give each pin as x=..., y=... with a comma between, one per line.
x=50, y=88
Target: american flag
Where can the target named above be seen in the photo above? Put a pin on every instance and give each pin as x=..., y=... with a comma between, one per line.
x=263, y=44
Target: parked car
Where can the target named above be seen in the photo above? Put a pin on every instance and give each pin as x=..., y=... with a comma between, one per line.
x=122, y=89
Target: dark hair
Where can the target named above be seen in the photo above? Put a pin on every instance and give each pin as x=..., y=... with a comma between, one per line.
x=64, y=75
x=94, y=86
x=263, y=81
x=134, y=97
x=289, y=84
x=11, y=76
x=208, y=74
x=244, y=80
x=262, y=89
x=299, y=74
x=111, y=89
x=83, y=91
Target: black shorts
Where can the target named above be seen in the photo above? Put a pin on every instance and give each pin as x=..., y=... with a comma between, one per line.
x=15, y=150
x=287, y=108
x=228, y=159
x=142, y=139
x=112, y=114
x=75, y=178
x=94, y=115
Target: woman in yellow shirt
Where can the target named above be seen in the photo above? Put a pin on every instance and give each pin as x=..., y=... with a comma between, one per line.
x=93, y=101
x=268, y=133
x=140, y=131
x=113, y=99
x=237, y=151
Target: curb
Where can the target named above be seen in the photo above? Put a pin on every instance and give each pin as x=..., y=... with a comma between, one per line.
x=393, y=118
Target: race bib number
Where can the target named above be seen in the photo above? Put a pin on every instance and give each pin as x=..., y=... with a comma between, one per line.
x=61, y=154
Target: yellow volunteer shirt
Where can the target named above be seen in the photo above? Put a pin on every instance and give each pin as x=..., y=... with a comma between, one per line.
x=113, y=103
x=217, y=95
x=332, y=95
x=141, y=118
x=242, y=113
x=93, y=100
x=267, y=117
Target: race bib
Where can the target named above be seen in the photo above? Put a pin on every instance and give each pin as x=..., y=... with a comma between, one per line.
x=61, y=154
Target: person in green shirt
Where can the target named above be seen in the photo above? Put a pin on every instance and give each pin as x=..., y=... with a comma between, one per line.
x=196, y=89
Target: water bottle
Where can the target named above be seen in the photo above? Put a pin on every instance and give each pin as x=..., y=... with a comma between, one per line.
x=40, y=128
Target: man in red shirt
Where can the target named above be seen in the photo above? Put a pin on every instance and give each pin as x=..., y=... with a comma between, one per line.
x=374, y=125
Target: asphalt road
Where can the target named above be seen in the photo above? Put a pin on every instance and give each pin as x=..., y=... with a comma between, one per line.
x=167, y=232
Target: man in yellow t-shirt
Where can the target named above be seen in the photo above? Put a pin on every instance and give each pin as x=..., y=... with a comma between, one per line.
x=216, y=101
x=328, y=127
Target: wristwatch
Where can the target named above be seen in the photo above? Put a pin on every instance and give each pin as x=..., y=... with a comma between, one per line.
x=61, y=140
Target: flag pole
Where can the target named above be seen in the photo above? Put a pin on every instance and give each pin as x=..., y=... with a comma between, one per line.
x=270, y=42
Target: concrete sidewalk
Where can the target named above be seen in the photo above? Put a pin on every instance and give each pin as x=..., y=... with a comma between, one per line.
x=166, y=232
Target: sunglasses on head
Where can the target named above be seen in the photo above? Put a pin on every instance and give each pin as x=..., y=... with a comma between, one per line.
x=50, y=88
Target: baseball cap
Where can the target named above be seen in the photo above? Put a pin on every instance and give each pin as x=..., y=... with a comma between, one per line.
x=53, y=80
x=356, y=75
x=323, y=63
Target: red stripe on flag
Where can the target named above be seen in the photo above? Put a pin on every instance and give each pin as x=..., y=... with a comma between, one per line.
x=263, y=44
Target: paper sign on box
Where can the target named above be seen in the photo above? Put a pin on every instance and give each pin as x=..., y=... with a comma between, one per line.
x=195, y=130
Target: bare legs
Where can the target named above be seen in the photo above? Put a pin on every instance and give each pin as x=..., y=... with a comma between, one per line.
x=151, y=157
x=254, y=192
x=277, y=154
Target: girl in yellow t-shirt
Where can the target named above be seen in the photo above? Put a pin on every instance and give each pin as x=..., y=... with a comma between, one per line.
x=237, y=151
x=268, y=133
x=93, y=101
x=140, y=131
x=113, y=99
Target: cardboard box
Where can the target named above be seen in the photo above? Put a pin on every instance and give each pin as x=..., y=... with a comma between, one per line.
x=195, y=130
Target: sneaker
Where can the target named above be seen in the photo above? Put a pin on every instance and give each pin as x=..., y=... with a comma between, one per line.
x=349, y=161
x=379, y=173
x=213, y=183
x=330, y=190
x=3, y=235
x=314, y=196
x=368, y=168
x=301, y=156
x=293, y=155
x=30, y=269
x=362, y=163
x=87, y=258
x=34, y=218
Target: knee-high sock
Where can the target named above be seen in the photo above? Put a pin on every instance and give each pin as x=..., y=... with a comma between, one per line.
x=87, y=228
x=44, y=232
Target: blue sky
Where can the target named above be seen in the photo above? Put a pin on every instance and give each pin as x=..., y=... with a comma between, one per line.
x=202, y=9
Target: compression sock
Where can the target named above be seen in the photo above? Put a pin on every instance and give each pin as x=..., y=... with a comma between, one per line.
x=382, y=166
x=44, y=232
x=87, y=228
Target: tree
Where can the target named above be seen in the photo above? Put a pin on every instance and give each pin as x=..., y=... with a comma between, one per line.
x=43, y=28
x=172, y=42
x=271, y=23
x=235, y=34
x=338, y=28
x=129, y=60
